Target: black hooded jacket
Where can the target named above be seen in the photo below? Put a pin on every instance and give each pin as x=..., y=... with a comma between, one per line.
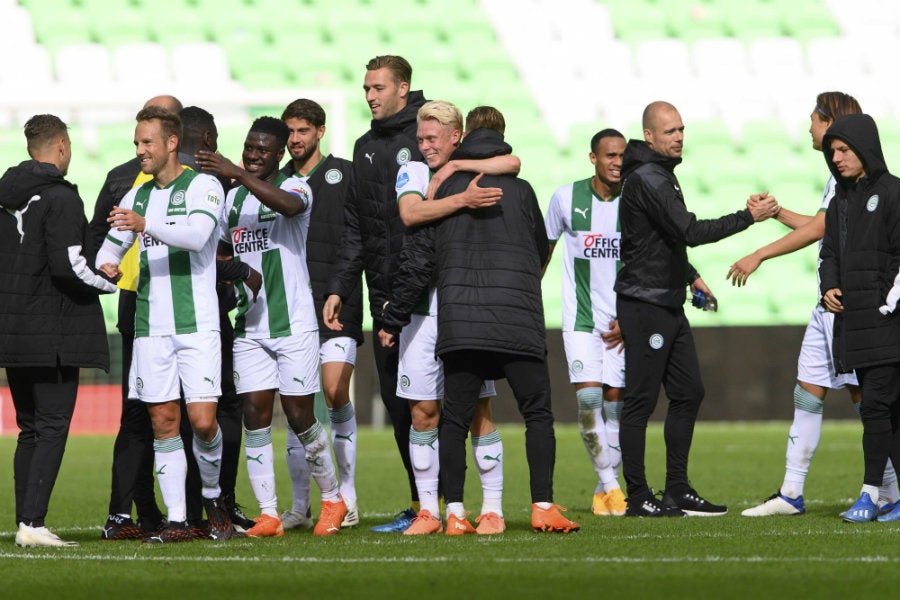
x=49, y=310
x=657, y=228
x=488, y=264
x=860, y=252
x=373, y=231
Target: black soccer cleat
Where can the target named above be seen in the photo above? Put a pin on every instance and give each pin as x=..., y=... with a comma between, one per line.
x=119, y=528
x=173, y=532
x=199, y=528
x=692, y=504
x=650, y=507
x=220, y=525
x=240, y=521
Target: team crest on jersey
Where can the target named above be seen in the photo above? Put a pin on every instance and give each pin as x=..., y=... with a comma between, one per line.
x=577, y=366
x=403, y=156
x=656, y=341
x=402, y=180
x=213, y=199
x=872, y=203
x=404, y=382
x=236, y=376
x=333, y=176
x=178, y=198
x=139, y=383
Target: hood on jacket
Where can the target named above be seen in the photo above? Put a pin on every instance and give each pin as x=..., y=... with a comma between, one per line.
x=482, y=143
x=402, y=119
x=20, y=183
x=861, y=134
x=638, y=152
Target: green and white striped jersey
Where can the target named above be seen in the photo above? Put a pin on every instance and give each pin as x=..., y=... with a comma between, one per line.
x=176, y=289
x=588, y=228
x=274, y=245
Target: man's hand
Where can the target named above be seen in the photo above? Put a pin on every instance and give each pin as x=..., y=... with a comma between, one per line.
x=832, y=300
x=740, y=271
x=480, y=197
x=124, y=219
x=112, y=271
x=763, y=206
x=387, y=339
x=213, y=162
x=613, y=337
x=439, y=177
x=331, y=311
x=253, y=282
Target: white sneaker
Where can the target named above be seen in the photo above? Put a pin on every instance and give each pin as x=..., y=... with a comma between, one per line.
x=296, y=520
x=33, y=537
x=777, y=504
x=352, y=518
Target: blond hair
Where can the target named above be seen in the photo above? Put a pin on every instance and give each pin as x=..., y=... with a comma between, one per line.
x=441, y=111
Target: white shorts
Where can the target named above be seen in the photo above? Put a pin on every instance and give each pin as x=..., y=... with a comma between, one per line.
x=420, y=375
x=339, y=349
x=589, y=360
x=164, y=366
x=289, y=364
x=816, y=363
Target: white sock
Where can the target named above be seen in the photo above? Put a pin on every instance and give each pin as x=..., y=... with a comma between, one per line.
x=423, y=452
x=209, y=460
x=318, y=456
x=343, y=442
x=593, y=434
x=298, y=469
x=613, y=412
x=871, y=490
x=171, y=472
x=456, y=509
x=487, y=452
x=802, y=441
x=260, y=468
x=888, y=490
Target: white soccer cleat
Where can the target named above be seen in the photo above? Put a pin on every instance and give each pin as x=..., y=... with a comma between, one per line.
x=777, y=504
x=295, y=520
x=34, y=537
x=352, y=518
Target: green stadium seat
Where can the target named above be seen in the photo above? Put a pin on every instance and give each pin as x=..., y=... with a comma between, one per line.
x=635, y=22
x=765, y=131
x=61, y=27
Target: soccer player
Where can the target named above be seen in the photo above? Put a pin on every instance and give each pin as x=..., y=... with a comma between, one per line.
x=373, y=233
x=330, y=178
x=815, y=366
x=650, y=295
x=860, y=284
x=174, y=218
x=276, y=337
x=421, y=377
x=51, y=324
x=585, y=215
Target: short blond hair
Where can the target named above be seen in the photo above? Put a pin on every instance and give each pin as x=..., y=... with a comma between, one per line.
x=441, y=111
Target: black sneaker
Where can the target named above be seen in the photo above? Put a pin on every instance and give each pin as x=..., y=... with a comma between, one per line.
x=650, y=507
x=693, y=505
x=240, y=521
x=119, y=528
x=220, y=526
x=172, y=533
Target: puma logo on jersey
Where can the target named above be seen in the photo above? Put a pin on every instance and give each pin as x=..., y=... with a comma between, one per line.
x=582, y=211
x=18, y=214
x=300, y=381
x=370, y=157
x=343, y=348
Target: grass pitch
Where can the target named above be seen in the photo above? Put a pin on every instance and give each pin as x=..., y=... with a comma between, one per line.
x=812, y=556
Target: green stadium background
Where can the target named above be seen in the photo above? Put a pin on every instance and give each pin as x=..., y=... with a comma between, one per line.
x=744, y=76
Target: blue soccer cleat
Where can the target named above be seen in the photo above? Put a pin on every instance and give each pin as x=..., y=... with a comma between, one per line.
x=401, y=523
x=889, y=512
x=862, y=511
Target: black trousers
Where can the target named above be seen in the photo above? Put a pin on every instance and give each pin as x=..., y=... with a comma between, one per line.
x=44, y=398
x=660, y=351
x=880, y=412
x=464, y=373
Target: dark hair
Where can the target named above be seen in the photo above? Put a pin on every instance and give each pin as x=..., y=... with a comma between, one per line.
x=194, y=118
x=272, y=126
x=305, y=109
x=171, y=122
x=604, y=133
x=487, y=117
x=43, y=129
x=398, y=66
x=834, y=105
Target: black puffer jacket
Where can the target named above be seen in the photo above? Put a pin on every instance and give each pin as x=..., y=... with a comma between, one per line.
x=860, y=252
x=49, y=310
x=373, y=231
x=489, y=263
x=330, y=182
x=657, y=228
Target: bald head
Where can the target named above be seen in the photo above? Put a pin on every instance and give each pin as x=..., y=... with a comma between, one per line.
x=663, y=129
x=170, y=103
